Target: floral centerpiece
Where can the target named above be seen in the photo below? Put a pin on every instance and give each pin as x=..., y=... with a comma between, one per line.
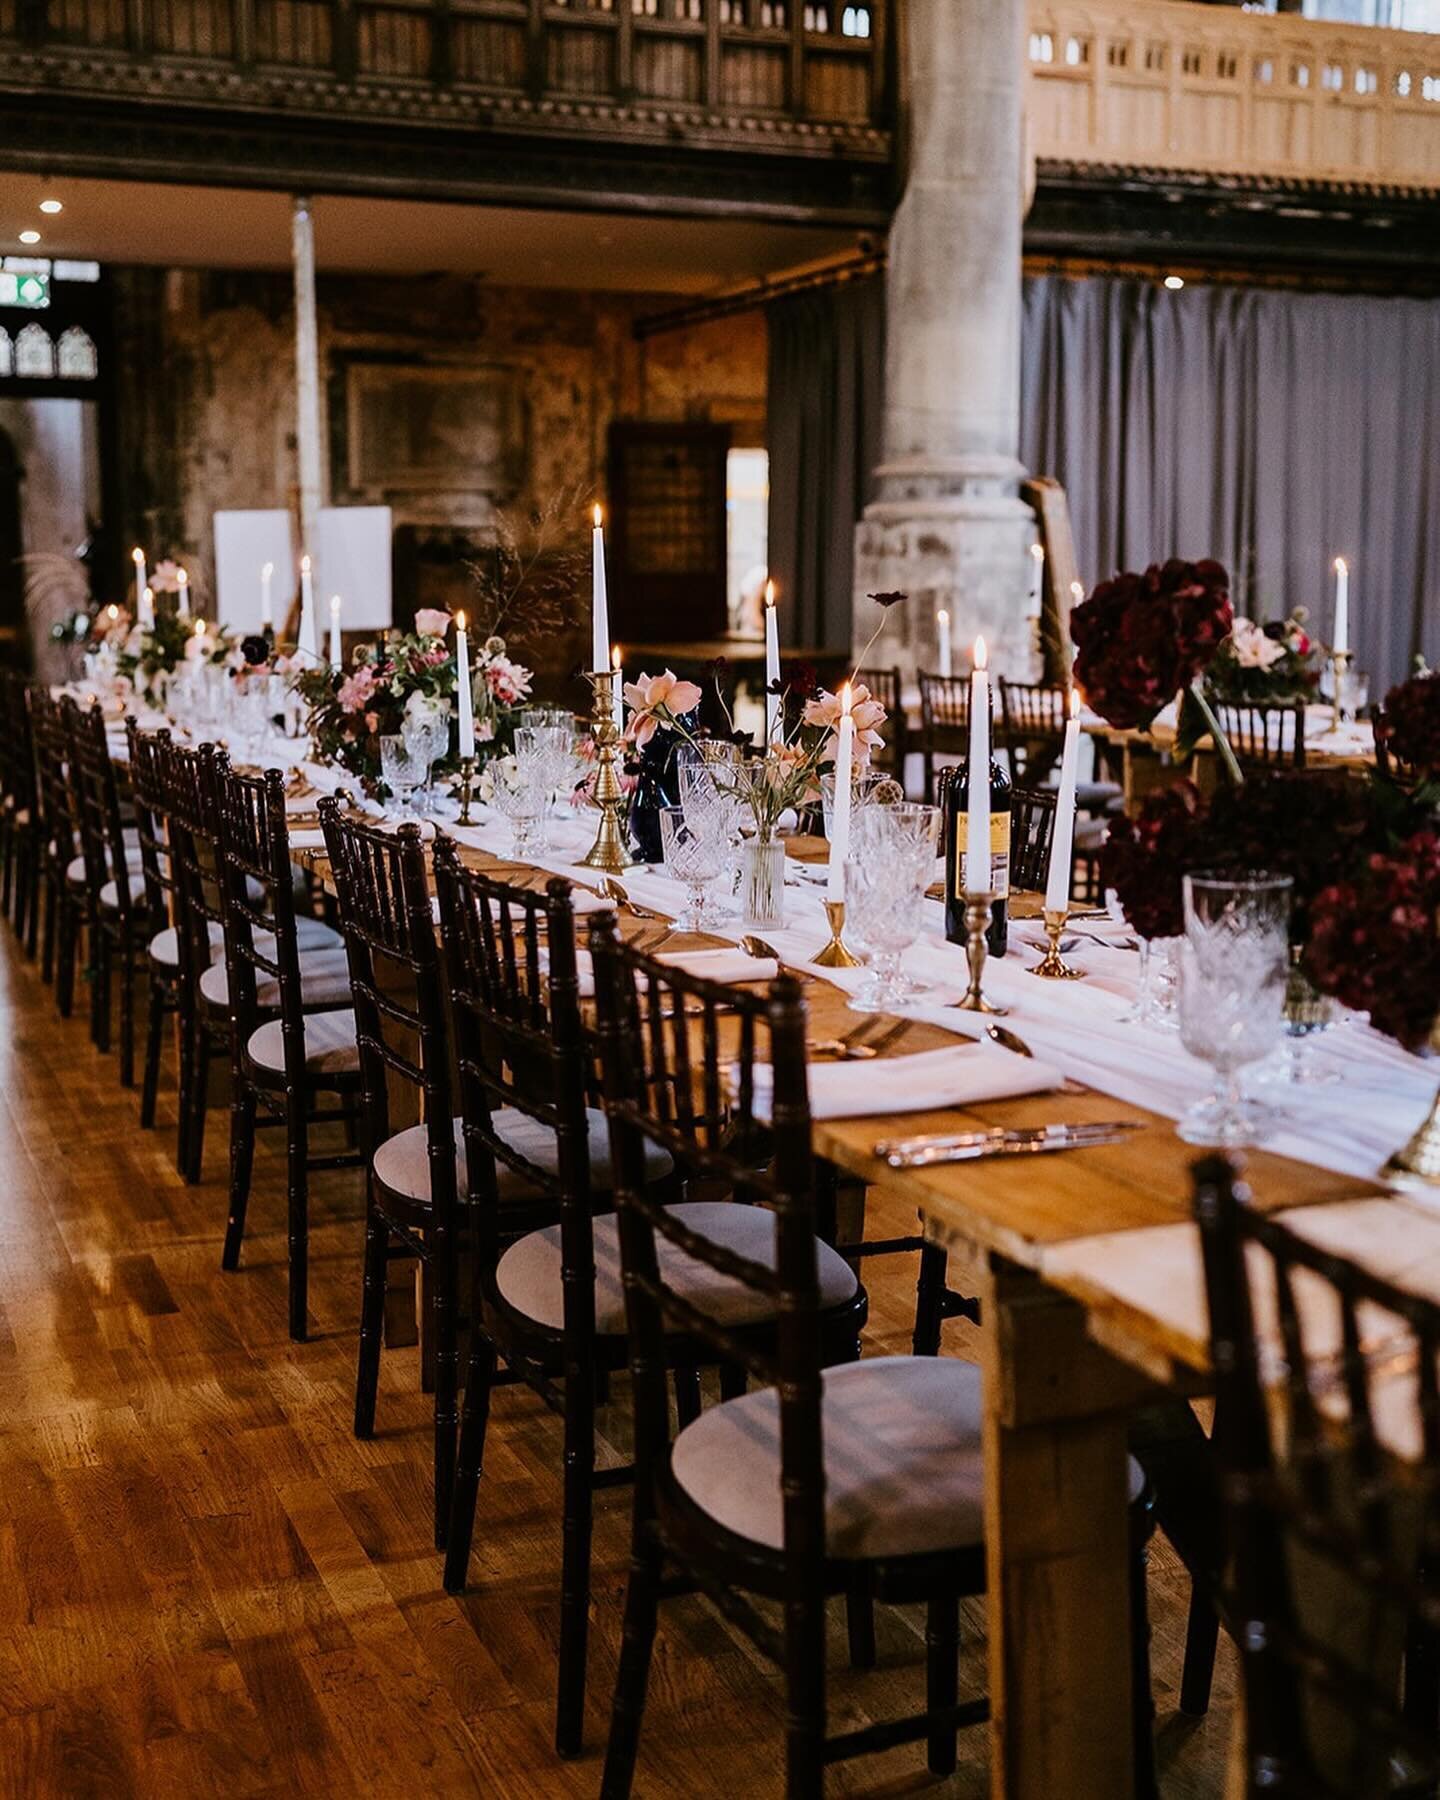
x=1409, y=729
x=785, y=778
x=406, y=678
x=1143, y=640
x=1267, y=665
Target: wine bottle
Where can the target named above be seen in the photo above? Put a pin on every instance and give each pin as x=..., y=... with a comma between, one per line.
x=955, y=810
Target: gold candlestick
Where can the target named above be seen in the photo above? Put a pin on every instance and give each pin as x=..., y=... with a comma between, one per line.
x=1339, y=667
x=1052, y=966
x=611, y=849
x=836, y=954
x=467, y=776
x=977, y=919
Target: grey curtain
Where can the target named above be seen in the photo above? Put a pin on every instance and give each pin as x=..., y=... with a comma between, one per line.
x=826, y=382
x=1271, y=429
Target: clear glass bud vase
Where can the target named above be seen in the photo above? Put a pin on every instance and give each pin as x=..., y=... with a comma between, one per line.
x=762, y=884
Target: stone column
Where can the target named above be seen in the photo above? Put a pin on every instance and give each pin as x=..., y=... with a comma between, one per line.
x=947, y=525
x=307, y=378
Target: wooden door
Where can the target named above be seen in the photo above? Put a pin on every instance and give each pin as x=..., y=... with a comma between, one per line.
x=667, y=539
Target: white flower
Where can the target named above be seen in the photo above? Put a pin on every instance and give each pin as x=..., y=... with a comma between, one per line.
x=422, y=707
x=1251, y=648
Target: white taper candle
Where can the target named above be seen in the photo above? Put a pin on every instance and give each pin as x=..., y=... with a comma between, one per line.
x=1340, y=638
x=337, y=653
x=1062, y=848
x=773, y=725
x=465, y=694
x=840, y=812
x=942, y=632
x=599, y=600
x=182, y=594
x=977, y=824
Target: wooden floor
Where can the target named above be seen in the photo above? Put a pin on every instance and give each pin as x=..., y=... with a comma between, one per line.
x=207, y=1586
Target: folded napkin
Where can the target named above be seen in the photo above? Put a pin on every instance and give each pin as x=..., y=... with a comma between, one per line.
x=312, y=838
x=721, y=965
x=956, y=1075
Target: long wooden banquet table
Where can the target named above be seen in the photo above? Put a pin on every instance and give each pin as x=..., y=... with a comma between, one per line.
x=1087, y=1268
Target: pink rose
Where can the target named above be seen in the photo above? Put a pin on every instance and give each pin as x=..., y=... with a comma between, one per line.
x=654, y=701
x=432, y=621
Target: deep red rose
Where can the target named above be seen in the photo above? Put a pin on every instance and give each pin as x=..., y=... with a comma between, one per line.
x=1409, y=725
x=1145, y=858
x=1139, y=639
x=1375, y=939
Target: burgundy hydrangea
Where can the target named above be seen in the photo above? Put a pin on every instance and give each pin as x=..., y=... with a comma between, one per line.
x=1145, y=858
x=1375, y=939
x=1139, y=639
x=1409, y=725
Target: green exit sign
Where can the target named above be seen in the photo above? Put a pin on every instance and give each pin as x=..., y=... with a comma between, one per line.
x=24, y=290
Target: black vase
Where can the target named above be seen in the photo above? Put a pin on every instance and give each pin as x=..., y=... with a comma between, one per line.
x=657, y=785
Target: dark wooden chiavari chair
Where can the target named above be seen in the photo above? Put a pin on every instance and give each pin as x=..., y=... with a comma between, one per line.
x=864, y=1476
x=1333, y=1524
x=292, y=1033
x=944, y=721
x=147, y=791
x=408, y=1126
x=20, y=826
x=711, y=1502
x=1032, y=833
x=192, y=830
x=886, y=686
x=59, y=850
x=547, y=1293
x=120, y=925
x=1264, y=737
x=1032, y=716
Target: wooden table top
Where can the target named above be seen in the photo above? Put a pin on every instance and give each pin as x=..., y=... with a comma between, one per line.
x=1022, y=1207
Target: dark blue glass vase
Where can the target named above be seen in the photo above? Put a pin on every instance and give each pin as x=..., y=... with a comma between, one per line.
x=657, y=785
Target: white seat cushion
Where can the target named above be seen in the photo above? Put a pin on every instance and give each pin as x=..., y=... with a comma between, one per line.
x=330, y=1047
x=75, y=868
x=310, y=934
x=324, y=981
x=402, y=1163
x=165, y=945
x=528, y=1274
x=134, y=881
x=903, y=1466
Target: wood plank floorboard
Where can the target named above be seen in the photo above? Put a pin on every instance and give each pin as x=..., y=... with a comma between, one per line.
x=209, y=1587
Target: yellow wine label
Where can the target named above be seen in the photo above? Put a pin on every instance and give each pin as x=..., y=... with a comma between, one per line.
x=999, y=853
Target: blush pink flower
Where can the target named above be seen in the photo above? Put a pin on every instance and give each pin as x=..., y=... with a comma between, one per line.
x=654, y=700
x=356, y=690
x=865, y=710
x=432, y=621
x=507, y=681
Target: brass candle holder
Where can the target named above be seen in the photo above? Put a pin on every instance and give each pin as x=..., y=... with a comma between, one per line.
x=836, y=954
x=467, y=778
x=611, y=849
x=1339, y=669
x=977, y=919
x=1419, y=1160
x=1052, y=965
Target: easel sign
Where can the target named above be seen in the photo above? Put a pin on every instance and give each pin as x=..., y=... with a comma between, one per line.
x=352, y=559
x=245, y=541
x=1052, y=517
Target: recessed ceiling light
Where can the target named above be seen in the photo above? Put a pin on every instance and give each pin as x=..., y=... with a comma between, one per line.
x=52, y=206
x=29, y=237
x=1174, y=283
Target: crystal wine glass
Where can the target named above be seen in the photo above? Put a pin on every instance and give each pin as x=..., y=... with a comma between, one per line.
x=519, y=796
x=1234, y=960
x=892, y=858
x=400, y=769
x=695, y=854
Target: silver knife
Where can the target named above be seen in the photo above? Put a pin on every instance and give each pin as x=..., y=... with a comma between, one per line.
x=913, y=1153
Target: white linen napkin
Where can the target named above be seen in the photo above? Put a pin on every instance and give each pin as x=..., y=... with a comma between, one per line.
x=721, y=965
x=956, y=1075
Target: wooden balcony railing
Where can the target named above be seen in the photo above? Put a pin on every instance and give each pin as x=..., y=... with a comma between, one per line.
x=805, y=77
x=1212, y=89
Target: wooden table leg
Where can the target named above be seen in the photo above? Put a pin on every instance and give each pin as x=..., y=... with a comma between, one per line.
x=1056, y=1547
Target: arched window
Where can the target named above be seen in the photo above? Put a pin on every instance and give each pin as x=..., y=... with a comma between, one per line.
x=7, y=353
x=34, y=352
x=77, y=355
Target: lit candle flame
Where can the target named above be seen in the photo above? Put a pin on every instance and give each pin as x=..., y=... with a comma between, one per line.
x=845, y=698
x=979, y=653
x=112, y=612
x=615, y=656
x=942, y=618
x=304, y=565
x=137, y=556
x=1037, y=550
x=181, y=578
x=1074, y=703
x=459, y=621
x=597, y=515
x=1077, y=590
x=769, y=593
x=268, y=570
x=1341, y=566
x=335, y=605
x=199, y=628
